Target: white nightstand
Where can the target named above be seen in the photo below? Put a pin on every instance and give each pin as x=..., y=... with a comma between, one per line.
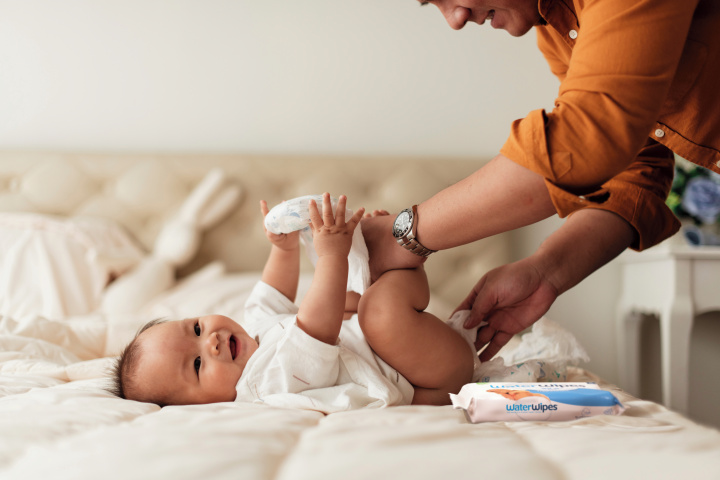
x=675, y=283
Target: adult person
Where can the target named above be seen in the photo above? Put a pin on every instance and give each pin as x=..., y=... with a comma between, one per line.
x=638, y=81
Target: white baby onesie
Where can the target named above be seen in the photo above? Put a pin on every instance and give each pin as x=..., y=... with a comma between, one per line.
x=292, y=369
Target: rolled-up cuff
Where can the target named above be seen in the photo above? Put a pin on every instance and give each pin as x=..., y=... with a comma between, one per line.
x=647, y=213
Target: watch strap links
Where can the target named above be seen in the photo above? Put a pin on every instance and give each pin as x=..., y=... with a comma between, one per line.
x=410, y=242
x=415, y=247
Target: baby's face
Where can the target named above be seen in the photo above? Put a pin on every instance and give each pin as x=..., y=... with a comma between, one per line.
x=193, y=361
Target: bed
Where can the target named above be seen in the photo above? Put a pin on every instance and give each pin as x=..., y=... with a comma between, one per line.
x=74, y=227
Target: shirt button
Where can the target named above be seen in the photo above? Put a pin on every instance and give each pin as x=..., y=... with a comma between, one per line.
x=659, y=133
x=572, y=34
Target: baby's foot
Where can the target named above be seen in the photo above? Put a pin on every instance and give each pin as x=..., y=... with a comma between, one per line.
x=376, y=213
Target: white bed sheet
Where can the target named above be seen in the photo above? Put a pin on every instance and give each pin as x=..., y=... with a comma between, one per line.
x=56, y=421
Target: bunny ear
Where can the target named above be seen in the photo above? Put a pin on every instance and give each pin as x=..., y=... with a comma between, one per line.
x=200, y=197
x=220, y=206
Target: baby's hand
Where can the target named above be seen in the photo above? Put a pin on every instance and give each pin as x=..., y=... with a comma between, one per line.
x=332, y=236
x=284, y=241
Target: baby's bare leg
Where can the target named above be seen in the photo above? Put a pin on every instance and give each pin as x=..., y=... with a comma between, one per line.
x=430, y=354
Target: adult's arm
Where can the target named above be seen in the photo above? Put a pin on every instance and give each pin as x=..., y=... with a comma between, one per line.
x=514, y=296
x=499, y=197
x=634, y=213
x=503, y=196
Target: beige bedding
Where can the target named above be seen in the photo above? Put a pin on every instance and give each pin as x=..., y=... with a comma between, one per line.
x=56, y=420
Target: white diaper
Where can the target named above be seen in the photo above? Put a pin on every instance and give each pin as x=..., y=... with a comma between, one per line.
x=469, y=334
x=542, y=355
x=293, y=215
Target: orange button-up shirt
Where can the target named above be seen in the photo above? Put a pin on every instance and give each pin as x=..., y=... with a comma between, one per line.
x=639, y=79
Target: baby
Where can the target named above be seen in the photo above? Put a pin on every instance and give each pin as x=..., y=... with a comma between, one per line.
x=336, y=351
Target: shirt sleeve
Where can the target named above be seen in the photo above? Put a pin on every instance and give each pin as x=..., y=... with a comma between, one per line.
x=267, y=302
x=638, y=195
x=610, y=96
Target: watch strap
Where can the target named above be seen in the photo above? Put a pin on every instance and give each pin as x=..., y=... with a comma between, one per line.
x=409, y=242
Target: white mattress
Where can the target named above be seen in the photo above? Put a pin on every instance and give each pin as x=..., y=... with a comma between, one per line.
x=56, y=421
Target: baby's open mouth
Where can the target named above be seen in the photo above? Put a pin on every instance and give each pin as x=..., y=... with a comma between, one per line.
x=233, y=347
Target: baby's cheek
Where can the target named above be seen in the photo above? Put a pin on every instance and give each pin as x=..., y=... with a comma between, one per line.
x=219, y=385
x=231, y=380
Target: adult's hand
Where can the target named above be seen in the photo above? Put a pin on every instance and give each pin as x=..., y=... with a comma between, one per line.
x=513, y=297
x=385, y=253
x=510, y=298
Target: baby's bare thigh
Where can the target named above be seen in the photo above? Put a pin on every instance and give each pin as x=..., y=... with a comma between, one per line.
x=417, y=344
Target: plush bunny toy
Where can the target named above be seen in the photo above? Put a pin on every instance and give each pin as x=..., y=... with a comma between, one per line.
x=178, y=242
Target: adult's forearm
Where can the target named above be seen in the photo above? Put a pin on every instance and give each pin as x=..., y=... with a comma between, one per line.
x=499, y=197
x=587, y=240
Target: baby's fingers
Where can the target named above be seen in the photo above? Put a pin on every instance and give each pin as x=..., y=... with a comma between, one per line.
x=340, y=212
x=264, y=208
x=355, y=219
x=315, y=219
x=327, y=213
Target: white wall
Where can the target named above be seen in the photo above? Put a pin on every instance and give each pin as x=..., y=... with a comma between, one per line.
x=363, y=76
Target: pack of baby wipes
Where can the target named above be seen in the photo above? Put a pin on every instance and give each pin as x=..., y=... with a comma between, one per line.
x=511, y=402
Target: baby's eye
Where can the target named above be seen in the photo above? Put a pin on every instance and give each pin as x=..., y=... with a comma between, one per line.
x=197, y=328
x=197, y=365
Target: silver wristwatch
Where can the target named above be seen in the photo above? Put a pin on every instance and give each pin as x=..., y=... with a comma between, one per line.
x=405, y=232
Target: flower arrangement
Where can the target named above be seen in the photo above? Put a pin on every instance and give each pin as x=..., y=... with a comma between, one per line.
x=695, y=199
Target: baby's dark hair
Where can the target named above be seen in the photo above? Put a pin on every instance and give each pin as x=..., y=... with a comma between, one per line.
x=123, y=371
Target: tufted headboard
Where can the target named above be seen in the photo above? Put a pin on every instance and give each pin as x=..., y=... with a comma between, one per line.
x=140, y=190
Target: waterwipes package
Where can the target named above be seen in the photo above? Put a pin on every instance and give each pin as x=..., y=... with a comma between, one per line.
x=512, y=402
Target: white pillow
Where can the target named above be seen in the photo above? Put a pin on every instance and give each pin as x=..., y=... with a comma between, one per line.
x=55, y=267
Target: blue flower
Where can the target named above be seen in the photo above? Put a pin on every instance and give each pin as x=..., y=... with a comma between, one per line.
x=702, y=199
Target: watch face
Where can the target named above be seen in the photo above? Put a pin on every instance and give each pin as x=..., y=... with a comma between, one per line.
x=403, y=224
